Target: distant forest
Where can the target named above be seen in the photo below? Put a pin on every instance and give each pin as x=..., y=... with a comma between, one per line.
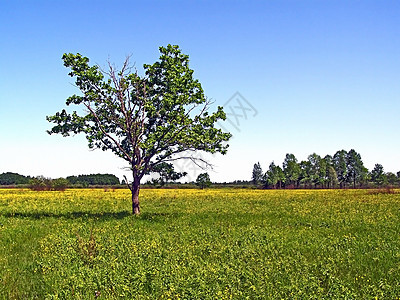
x=10, y=178
x=342, y=170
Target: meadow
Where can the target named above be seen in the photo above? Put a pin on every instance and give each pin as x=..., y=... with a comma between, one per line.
x=200, y=244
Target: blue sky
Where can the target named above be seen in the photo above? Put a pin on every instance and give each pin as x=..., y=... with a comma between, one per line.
x=321, y=76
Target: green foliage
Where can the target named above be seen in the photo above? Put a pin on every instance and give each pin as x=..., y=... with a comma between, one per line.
x=203, y=180
x=10, y=178
x=60, y=184
x=40, y=183
x=391, y=178
x=192, y=244
x=378, y=175
x=167, y=173
x=340, y=165
x=332, y=180
x=257, y=174
x=345, y=169
x=274, y=177
x=317, y=169
x=356, y=170
x=86, y=249
x=94, y=179
x=305, y=170
x=291, y=170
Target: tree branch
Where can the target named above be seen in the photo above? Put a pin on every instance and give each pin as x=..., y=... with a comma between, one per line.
x=105, y=133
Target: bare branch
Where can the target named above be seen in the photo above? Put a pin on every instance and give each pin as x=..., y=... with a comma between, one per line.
x=195, y=160
x=107, y=134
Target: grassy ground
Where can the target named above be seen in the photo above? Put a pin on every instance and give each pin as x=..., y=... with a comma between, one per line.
x=194, y=244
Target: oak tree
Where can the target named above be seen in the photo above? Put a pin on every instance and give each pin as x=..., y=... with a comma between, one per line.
x=145, y=120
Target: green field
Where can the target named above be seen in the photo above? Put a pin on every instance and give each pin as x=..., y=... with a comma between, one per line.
x=200, y=244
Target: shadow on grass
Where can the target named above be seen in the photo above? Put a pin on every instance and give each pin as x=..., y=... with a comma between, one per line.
x=145, y=216
x=67, y=215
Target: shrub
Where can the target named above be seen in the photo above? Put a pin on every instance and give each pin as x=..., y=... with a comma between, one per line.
x=60, y=184
x=40, y=183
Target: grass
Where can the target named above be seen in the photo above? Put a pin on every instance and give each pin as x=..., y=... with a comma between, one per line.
x=200, y=244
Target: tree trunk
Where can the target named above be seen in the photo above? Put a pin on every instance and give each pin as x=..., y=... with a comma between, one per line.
x=135, y=196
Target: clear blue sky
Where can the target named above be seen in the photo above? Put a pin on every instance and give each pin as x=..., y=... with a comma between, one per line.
x=318, y=76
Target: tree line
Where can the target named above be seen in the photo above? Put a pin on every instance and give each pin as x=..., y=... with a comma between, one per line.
x=342, y=170
x=10, y=178
x=94, y=179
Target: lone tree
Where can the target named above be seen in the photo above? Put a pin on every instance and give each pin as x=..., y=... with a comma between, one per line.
x=146, y=120
x=167, y=173
x=203, y=180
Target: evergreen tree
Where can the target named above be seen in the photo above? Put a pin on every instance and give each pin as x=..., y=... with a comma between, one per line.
x=305, y=171
x=291, y=170
x=331, y=175
x=257, y=174
x=274, y=176
x=378, y=175
x=356, y=172
x=340, y=165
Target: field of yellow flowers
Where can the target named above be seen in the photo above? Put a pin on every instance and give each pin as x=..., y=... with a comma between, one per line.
x=200, y=244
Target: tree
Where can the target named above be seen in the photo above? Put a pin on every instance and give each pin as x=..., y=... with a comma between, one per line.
x=378, y=175
x=331, y=176
x=274, y=176
x=322, y=172
x=60, y=184
x=356, y=172
x=145, y=120
x=317, y=169
x=391, y=178
x=257, y=174
x=291, y=169
x=340, y=164
x=167, y=173
x=40, y=183
x=329, y=159
x=203, y=180
x=305, y=172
